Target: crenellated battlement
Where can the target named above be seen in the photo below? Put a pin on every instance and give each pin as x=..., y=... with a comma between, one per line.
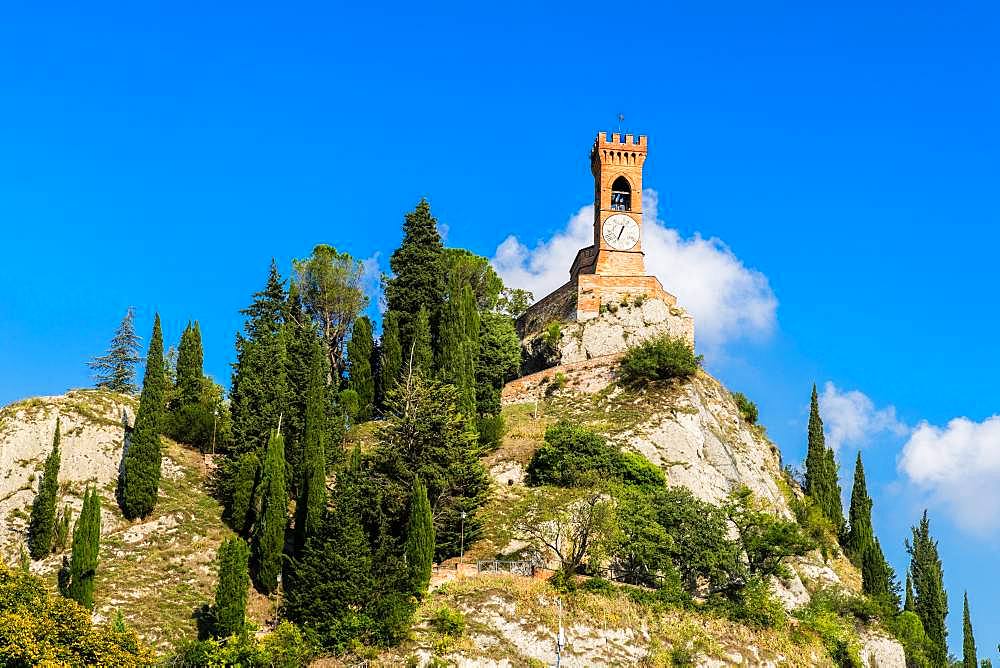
x=617, y=141
x=628, y=150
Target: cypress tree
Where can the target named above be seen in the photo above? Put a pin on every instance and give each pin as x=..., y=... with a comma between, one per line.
x=311, y=504
x=392, y=352
x=64, y=577
x=300, y=335
x=832, y=505
x=61, y=534
x=241, y=515
x=190, y=361
x=42, y=524
x=822, y=477
x=418, y=274
x=860, y=534
x=359, y=358
x=459, y=345
x=420, y=355
x=930, y=599
x=269, y=533
x=115, y=370
x=86, y=546
x=420, y=540
x=910, y=604
x=231, y=591
x=969, y=659
x=876, y=575
x=139, y=480
x=816, y=451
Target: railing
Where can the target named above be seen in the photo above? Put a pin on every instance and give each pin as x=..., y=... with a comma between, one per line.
x=525, y=568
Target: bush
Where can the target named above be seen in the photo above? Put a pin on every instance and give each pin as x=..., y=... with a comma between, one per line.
x=661, y=358
x=491, y=430
x=748, y=409
x=909, y=631
x=552, y=333
x=757, y=606
x=577, y=457
x=448, y=621
x=815, y=524
x=838, y=635
x=39, y=627
x=285, y=647
x=193, y=424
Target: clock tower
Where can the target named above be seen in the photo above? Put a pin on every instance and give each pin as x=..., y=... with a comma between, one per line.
x=617, y=169
x=612, y=271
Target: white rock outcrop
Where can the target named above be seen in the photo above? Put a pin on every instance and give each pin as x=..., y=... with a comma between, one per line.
x=620, y=327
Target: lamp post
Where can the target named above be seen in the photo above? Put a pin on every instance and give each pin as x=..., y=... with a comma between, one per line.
x=461, y=549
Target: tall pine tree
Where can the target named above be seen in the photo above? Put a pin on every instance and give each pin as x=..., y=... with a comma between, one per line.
x=909, y=603
x=301, y=338
x=359, y=366
x=418, y=274
x=311, y=505
x=860, y=534
x=241, y=510
x=115, y=370
x=420, y=540
x=42, y=524
x=269, y=533
x=930, y=601
x=139, y=479
x=86, y=547
x=231, y=590
x=190, y=362
x=259, y=394
x=969, y=659
x=878, y=580
x=498, y=362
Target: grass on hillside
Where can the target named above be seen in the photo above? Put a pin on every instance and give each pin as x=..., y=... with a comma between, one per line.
x=160, y=570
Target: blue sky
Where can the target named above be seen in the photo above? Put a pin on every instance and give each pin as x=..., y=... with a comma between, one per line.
x=836, y=168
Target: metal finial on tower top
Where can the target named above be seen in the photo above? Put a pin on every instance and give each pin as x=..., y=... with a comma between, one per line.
x=621, y=117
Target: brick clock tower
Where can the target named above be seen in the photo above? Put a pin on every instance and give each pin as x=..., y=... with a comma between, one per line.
x=613, y=269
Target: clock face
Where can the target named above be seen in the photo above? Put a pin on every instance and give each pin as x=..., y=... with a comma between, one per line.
x=620, y=232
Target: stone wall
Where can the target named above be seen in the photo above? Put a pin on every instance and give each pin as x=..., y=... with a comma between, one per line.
x=558, y=306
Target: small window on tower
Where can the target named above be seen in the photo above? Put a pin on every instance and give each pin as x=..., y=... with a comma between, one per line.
x=621, y=195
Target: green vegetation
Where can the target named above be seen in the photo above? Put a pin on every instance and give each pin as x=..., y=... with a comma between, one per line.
x=230, y=610
x=860, y=535
x=822, y=482
x=42, y=526
x=968, y=638
x=269, y=532
x=418, y=283
x=359, y=364
x=458, y=347
x=190, y=360
x=311, y=502
x=139, y=482
x=498, y=361
x=574, y=456
x=392, y=352
x=329, y=283
x=747, y=408
x=38, y=628
x=419, y=548
x=79, y=585
x=661, y=358
x=448, y=621
x=930, y=601
x=115, y=370
x=285, y=647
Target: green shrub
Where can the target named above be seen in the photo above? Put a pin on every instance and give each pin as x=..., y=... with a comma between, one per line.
x=285, y=647
x=757, y=606
x=552, y=333
x=909, y=631
x=815, y=524
x=748, y=409
x=661, y=358
x=448, y=621
x=573, y=456
x=839, y=636
x=558, y=383
x=492, y=429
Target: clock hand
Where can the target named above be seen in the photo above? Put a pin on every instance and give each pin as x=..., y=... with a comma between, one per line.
x=620, y=233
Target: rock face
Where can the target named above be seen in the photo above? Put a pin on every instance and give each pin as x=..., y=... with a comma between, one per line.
x=92, y=431
x=618, y=327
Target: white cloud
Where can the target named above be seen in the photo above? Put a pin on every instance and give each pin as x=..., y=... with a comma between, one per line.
x=371, y=281
x=727, y=299
x=851, y=417
x=959, y=467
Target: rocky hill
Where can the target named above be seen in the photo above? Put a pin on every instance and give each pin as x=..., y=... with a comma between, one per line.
x=159, y=571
